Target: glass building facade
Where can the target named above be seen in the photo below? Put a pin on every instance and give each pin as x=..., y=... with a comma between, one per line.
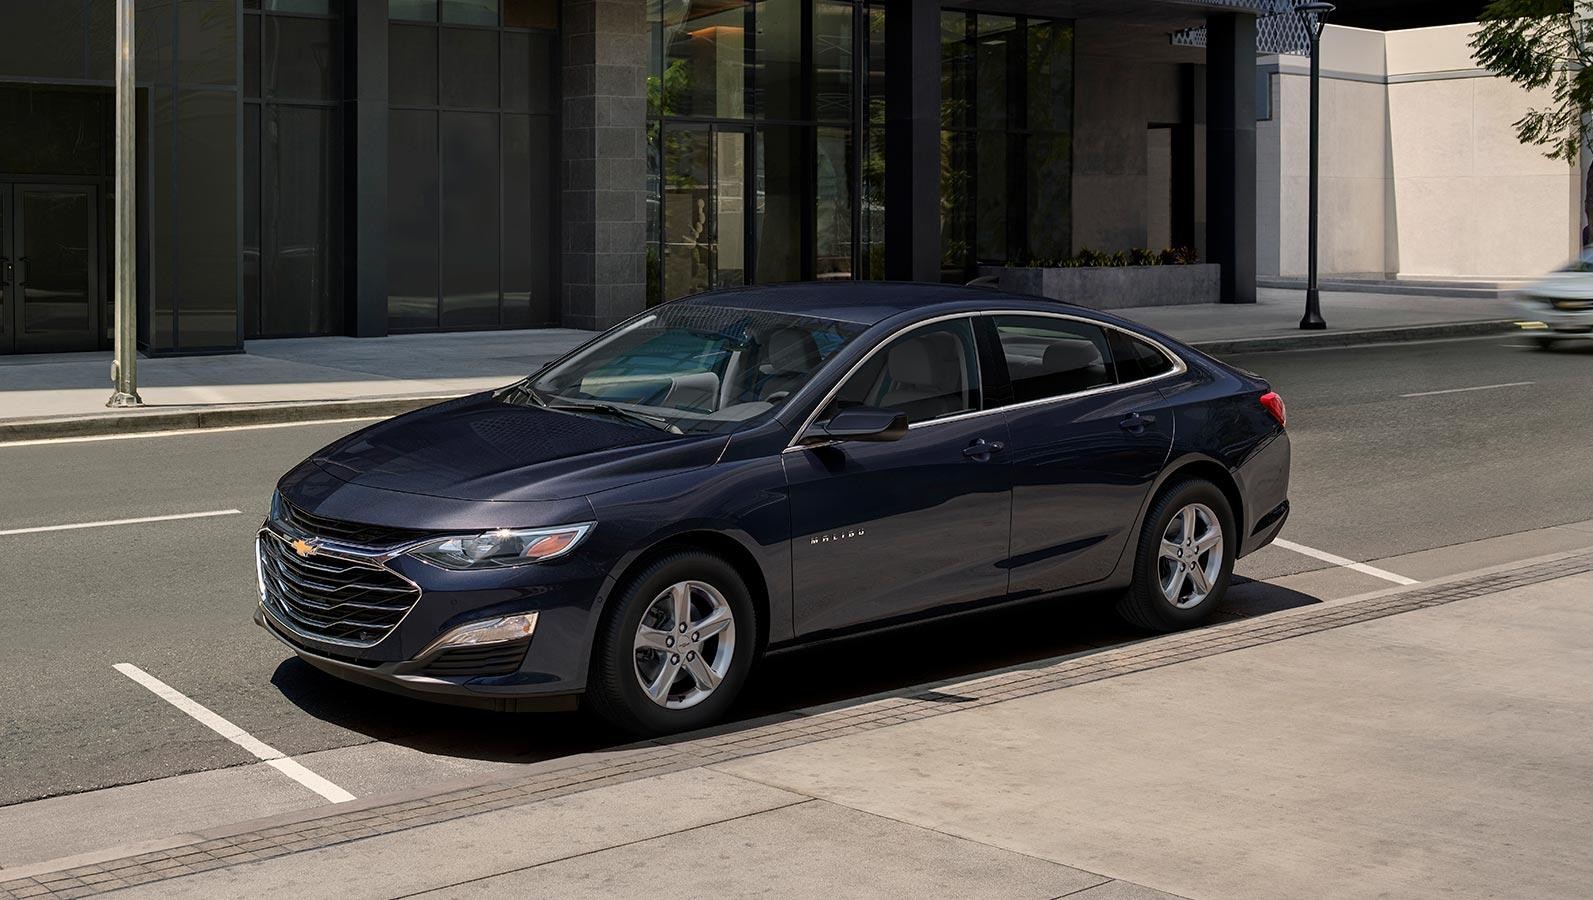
x=368, y=167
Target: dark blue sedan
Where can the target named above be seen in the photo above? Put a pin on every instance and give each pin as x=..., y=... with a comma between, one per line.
x=634, y=525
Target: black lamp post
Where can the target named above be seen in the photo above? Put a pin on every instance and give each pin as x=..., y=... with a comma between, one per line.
x=1315, y=16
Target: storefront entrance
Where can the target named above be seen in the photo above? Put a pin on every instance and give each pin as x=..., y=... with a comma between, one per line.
x=49, y=267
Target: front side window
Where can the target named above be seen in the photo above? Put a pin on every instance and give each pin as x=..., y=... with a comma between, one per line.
x=1048, y=357
x=690, y=369
x=928, y=373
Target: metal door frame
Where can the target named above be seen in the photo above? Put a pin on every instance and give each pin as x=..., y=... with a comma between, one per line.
x=19, y=342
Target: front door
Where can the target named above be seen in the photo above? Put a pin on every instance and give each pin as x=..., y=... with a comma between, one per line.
x=882, y=531
x=49, y=268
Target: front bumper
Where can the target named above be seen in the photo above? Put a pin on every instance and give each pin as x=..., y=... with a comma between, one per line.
x=1561, y=317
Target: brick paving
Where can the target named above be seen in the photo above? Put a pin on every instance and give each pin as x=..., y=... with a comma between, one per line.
x=648, y=760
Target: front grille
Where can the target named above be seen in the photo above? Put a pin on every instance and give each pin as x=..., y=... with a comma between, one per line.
x=332, y=597
x=344, y=531
x=493, y=659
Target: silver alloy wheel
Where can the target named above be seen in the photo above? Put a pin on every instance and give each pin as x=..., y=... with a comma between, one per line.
x=1190, y=561
x=684, y=644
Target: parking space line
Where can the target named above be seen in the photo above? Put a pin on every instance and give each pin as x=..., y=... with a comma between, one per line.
x=1467, y=390
x=109, y=522
x=1343, y=563
x=266, y=753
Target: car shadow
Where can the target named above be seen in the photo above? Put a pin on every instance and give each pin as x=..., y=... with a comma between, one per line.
x=836, y=672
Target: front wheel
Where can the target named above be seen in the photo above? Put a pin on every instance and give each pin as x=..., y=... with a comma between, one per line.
x=675, y=647
x=1544, y=343
x=1184, y=560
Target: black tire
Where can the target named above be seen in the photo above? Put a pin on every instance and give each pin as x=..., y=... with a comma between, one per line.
x=1144, y=604
x=613, y=691
x=1544, y=343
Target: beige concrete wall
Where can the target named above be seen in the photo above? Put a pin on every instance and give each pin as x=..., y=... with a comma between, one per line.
x=1422, y=175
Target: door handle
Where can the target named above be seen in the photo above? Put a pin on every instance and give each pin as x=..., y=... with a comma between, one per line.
x=1136, y=423
x=982, y=449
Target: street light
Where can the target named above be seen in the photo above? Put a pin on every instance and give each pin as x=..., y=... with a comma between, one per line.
x=1315, y=16
x=124, y=368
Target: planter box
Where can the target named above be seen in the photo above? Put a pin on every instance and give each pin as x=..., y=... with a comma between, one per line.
x=1115, y=288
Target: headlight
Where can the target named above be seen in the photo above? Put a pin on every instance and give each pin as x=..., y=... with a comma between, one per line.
x=504, y=547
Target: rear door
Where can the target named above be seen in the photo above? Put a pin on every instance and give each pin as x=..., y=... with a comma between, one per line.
x=1086, y=445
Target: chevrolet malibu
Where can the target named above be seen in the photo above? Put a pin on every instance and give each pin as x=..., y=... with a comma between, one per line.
x=632, y=527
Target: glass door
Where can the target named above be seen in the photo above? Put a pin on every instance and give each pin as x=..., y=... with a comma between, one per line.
x=50, y=242
x=706, y=222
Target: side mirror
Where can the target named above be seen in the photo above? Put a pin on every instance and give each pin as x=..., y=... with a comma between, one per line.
x=860, y=423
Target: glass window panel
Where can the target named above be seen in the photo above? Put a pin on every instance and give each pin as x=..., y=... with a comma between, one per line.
x=315, y=7
x=655, y=214
x=780, y=200
x=994, y=54
x=101, y=41
x=300, y=268
x=956, y=200
x=705, y=62
x=251, y=56
x=1137, y=360
x=531, y=13
x=991, y=193
x=42, y=40
x=517, y=71
x=470, y=239
x=929, y=373
x=54, y=131
x=207, y=219
x=56, y=236
x=872, y=239
x=469, y=67
x=412, y=10
x=730, y=208
x=527, y=222
x=154, y=36
x=779, y=60
x=833, y=210
x=207, y=39
x=300, y=58
x=1050, y=195
x=688, y=243
x=249, y=237
x=161, y=197
x=956, y=69
x=1049, y=357
x=412, y=220
x=832, y=60
x=412, y=65
x=470, y=12
x=1050, y=76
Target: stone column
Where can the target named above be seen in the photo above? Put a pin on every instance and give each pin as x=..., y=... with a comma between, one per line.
x=603, y=257
x=1231, y=153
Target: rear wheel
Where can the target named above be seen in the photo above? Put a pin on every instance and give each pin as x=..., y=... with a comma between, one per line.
x=1184, y=560
x=1544, y=343
x=675, y=647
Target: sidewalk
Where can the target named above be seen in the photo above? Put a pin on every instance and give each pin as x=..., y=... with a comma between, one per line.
x=1425, y=741
x=339, y=377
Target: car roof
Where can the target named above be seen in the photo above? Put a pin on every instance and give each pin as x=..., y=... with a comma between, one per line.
x=869, y=302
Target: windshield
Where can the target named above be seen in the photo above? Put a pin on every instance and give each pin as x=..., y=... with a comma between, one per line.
x=690, y=369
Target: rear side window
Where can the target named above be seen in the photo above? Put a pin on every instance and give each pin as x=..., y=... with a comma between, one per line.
x=1137, y=360
x=1049, y=357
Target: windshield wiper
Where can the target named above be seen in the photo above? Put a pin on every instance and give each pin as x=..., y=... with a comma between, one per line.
x=612, y=410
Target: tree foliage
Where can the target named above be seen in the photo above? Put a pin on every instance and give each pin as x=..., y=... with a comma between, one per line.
x=1543, y=45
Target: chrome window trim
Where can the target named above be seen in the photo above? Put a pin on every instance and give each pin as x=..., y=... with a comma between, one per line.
x=1179, y=368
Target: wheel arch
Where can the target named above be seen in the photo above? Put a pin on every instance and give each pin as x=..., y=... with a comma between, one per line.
x=1191, y=466
x=716, y=543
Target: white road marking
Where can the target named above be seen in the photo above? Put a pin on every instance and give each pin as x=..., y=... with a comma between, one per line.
x=109, y=522
x=1343, y=563
x=1486, y=387
x=266, y=753
x=138, y=435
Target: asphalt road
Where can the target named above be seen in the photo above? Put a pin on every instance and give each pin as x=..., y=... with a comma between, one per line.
x=1377, y=474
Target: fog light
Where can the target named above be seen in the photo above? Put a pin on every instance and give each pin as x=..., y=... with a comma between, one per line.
x=487, y=631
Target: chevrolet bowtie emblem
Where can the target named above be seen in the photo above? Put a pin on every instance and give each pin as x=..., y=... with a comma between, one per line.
x=303, y=547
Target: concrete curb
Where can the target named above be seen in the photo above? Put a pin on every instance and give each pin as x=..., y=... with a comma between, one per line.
x=1321, y=340
x=200, y=417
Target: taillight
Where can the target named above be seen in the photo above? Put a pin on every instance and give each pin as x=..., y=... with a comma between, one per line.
x=1274, y=405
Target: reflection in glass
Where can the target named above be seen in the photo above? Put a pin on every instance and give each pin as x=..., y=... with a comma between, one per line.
x=688, y=241
x=412, y=220
x=298, y=58
x=990, y=78
x=833, y=205
x=56, y=261
x=54, y=131
x=412, y=65
x=832, y=60
x=779, y=60
x=470, y=240
x=299, y=269
x=872, y=240
x=730, y=208
x=207, y=38
x=705, y=60
x=531, y=13
x=42, y=40
x=990, y=226
x=249, y=237
x=955, y=69
x=207, y=219
x=528, y=297
x=956, y=186
x=412, y=10
x=655, y=215
x=470, y=12
x=469, y=67
x=780, y=197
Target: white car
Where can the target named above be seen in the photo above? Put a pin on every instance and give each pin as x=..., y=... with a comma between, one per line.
x=1561, y=305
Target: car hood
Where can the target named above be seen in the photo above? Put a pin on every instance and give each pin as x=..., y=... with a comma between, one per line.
x=1563, y=286
x=477, y=448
